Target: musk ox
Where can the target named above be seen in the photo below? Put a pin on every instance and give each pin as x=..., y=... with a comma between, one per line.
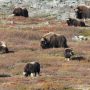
x=3, y=47
x=31, y=69
x=68, y=53
x=74, y=22
x=52, y=40
x=20, y=12
x=82, y=11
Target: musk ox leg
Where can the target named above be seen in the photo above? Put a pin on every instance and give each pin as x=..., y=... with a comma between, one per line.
x=68, y=59
x=32, y=74
x=38, y=72
x=82, y=24
x=6, y=50
x=25, y=74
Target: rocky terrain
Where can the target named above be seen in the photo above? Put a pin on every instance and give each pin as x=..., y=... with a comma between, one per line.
x=62, y=9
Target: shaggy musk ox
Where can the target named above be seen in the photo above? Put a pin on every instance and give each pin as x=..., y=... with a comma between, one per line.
x=52, y=40
x=20, y=12
x=32, y=69
x=3, y=47
x=74, y=22
x=82, y=11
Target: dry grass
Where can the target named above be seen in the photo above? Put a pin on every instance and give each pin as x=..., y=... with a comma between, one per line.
x=23, y=37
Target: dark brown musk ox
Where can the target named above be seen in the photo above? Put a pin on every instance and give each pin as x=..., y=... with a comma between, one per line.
x=3, y=47
x=75, y=22
x=32, y=69
x=20, y=12
x=82, y=12
x=52, y=40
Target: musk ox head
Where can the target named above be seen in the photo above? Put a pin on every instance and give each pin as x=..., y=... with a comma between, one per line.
x=3, y=47
x=68, y=53
x=82, y=11
x=69, y=22
x=45, y=43
x=25, y=12
x=31, y=69
x=20, y=12
x=79, y=13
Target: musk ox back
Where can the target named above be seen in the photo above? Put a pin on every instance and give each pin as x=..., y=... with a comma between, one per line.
x=20, y=12
x=32, y=69
x=74, y=22
x=82, y=11
x=52, y=40
x=3, y=47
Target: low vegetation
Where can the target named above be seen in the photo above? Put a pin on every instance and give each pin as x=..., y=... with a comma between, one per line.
x=23, y=37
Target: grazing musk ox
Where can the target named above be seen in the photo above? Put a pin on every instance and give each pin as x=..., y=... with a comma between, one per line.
x=75, y=22
x=3, y=47
x=52, y=40
x=20, y=12
x=32, y=69
x=82, y=12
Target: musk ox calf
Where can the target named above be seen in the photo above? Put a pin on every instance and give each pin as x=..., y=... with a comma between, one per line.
x=82, y=12
x=31, y=69
x=74, y=22
x=3, y=47
x=52, y=40
x=20, y=12
x=68, y=53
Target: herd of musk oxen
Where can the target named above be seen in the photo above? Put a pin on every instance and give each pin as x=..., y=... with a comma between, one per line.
x=51, y=39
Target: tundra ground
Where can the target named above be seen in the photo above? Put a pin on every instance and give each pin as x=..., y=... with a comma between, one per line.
x=22, y=36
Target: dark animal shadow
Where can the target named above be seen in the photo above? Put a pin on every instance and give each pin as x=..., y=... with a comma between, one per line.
x=87, y=26
x=7, y=52
x=11, y=51
x=79, y=58
x=5, y=75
